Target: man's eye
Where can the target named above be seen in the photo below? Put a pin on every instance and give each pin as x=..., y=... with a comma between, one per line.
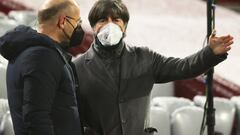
x=101, y=20
x=117, y=20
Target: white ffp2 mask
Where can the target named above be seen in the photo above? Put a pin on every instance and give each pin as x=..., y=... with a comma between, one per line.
x=110, y=34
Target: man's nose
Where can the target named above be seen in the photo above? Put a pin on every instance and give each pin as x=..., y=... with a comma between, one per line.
x=109, y=19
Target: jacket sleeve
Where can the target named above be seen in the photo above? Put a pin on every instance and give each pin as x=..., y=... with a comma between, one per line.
x=170, y=69
x=40, y=76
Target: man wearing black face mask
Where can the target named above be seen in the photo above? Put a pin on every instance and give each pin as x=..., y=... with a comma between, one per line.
x=76, y=36
x=41, y=81
x=116, y=79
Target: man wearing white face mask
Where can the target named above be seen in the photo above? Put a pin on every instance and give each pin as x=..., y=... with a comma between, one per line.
x=110, y=34
x=116, y=79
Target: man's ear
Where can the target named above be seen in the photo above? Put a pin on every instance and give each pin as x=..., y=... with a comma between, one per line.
x=61, y=21
x=94, y=29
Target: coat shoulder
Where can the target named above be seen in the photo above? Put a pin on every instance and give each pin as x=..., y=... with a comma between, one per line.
x=139, y=50
x=83, y=57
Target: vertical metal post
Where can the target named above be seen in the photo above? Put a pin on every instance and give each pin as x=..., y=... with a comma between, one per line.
x=209, y=79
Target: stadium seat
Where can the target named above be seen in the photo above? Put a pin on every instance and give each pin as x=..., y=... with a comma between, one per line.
x=2, y=15
x=6, y=25
x=4, y=108
x=159, y=119
x=3, y=88
x=224, y=115
x=236, y=101
x=24, y=17
x=170, y=103
x=6, y=126
x=187, y=121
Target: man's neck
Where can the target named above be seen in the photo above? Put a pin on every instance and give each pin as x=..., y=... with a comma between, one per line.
x=108, y=52
x=48, y=32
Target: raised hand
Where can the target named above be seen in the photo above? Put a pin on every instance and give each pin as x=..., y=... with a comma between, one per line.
x=220, y=45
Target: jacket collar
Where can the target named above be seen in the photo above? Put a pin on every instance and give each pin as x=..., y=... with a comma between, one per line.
x=67, y=55
x=110, y=52
x=94, y=64
x=90, y=54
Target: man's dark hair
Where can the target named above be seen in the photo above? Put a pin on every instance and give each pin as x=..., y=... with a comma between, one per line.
x=51, y=12
x=108, y=8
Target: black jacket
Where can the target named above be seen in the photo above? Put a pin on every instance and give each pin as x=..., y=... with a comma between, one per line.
x=108, y=108
x=40, y=85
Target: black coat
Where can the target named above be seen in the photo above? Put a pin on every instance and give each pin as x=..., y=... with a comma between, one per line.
x=40, y=85
x=108, y=108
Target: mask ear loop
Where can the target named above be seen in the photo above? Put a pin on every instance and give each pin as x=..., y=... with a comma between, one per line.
x=124, y=33
x=94, y=33
x=69, y=23
x=65, y=33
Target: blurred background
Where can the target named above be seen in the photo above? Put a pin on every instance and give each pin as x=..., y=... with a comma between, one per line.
x=170, y=27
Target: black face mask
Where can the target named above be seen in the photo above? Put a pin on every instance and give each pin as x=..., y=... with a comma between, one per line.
x=75, y=39
x=77, y=36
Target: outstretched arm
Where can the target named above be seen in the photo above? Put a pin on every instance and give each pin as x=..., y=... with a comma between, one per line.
x=170, y=69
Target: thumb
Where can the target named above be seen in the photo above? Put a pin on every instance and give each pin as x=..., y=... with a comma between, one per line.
x=213, y=33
